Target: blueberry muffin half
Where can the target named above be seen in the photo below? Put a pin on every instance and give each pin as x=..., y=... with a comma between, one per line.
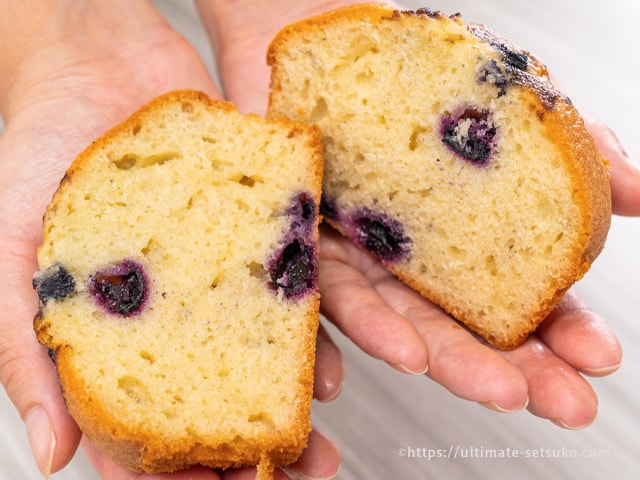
x=451, y=157
x=178, y=286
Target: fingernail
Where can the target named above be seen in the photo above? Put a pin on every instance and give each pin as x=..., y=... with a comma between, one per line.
x=336, y=393
x=401, y=368
x=497, y=408
x=301, y=476
x=41, y=439
x=600, y=372
x=565, y=425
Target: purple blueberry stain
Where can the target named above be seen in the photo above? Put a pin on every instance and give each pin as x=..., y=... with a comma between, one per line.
x=469, y=133
x=302, y=210
x=381, y=235
x=293, y=269
x=54, y=283
x=120, y=289
x=491, y=73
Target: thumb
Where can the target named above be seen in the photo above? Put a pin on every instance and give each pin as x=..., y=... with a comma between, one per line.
x=26, y=372
x=625, y=176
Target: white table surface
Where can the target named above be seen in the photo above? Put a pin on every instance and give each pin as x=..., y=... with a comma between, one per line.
x=593, y=49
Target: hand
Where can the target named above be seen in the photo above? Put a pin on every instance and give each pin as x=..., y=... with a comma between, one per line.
x=68, y=74
x=391, y=322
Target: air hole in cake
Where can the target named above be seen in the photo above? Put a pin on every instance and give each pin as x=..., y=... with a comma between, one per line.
x=262, y=417
x=136, y=129
x=381, y=235
x=120, y=289
x=365, y=75
x=469, y=133
x=134, y=388
x=54, y=283
x=320, y=110
x=131, y=160
x=257, y=270
x=126, y=162
x=415, y=140
x=247, y=181
x=187, y=107
x=147, y=356
x=360, y=47
x=214, y=283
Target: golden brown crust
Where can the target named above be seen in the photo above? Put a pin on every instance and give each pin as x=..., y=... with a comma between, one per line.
x=128, y=444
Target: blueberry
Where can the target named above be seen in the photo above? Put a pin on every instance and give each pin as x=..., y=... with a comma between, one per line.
x=54, y=283
x=295, y=269
x=380, y=235
x=514, y=59
x=120, y=289
x=470, y=134
x=328, y=208
x=303, y=209
x=491, y=73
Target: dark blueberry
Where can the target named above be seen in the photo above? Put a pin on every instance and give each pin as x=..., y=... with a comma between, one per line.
x=328, y=208
x=303, y=207
x=380, y=235
x=469, y=134
x=54, y=283
x=295, y=269
x=514, y=59
x=493, y=74
x=120, y=289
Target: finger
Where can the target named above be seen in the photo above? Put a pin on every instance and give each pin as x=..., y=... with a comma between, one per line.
x=349, y=299
x=320, y=459
x=26, y=371
x=556, y=390
x=625, y=176
x=329, y=370
x=457, y=360
x=581, y=338
x=109, y=470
